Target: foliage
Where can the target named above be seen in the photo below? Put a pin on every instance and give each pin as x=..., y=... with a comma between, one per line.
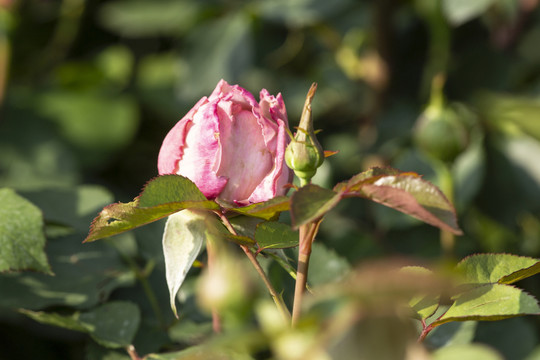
x=92, y=87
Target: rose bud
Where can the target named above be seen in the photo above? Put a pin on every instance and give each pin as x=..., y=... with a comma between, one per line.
x=230, y=146
x=304, y=154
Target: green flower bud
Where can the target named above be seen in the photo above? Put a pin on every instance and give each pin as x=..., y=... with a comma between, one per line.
x=305, y=154
x=441, y=134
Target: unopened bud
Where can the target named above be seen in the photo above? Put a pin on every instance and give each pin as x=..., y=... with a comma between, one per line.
x=439, y=131
x=305, y=154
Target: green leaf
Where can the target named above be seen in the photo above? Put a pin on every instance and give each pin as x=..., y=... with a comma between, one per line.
x=143, y=19
x=497, y=268
x=96, y=124
x=406, y=192
x=285, y=262
x=238, y=239
x=183, y=238
x=452, y=333
x=460, y=11
x=85, y=274
x=310, y=203
x=514, y=338
x=267, y=210
x=423, y=305
x=326, y=265
x=275, y=235
x=70, y=207
x=200, y=352
x=70, y=322
x=161, y=197
x=466, y=352
x=168, y=189
x=219, y=49
x=301, y=14
x=490, y=302
x=117, y=218
x=355, y=183
x=234, y=346
x=31, y=155
x=22, y=241
x=112, y=325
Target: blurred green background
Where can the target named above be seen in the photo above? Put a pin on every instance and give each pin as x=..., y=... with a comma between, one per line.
x=88, y=90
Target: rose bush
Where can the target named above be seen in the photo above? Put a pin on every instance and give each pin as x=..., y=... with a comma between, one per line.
x=230, y=146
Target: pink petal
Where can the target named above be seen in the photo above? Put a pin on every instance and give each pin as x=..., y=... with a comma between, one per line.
x=234, y=93
x=273, y=116
x=173, y=145
x=245, y=159
x=274, y=183
x=202, y=152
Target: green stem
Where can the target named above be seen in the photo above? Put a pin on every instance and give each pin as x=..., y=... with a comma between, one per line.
x=439, y=45
x=446, y=183
x=66, y=30
x=252, y=258
x=306, y=238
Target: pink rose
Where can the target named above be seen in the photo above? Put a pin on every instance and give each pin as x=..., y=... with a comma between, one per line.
x=230, y=146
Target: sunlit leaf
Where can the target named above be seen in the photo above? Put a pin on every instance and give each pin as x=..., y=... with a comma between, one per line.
x=169, y=188
x=460, y=11
x=406, y=192
x=423, y=305
x=311, y=202
x=22, y=241
x=239, y=239
x=490, y=302
x=507, y=111
x=161, y=197
x=266, y=210
x=497, y=268
x=355, y=183
x=117, y=218
x=275, y=235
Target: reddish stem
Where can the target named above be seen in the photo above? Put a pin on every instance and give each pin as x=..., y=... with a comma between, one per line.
x=425, y=331
x=253, y=259
x=306, y=237
x=216, y=323
x=133, y=353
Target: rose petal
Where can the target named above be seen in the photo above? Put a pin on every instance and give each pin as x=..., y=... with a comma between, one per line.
x=172, y=148
x=202, y=152
x=274, y=183
x=231, y=146
x=245, y=159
